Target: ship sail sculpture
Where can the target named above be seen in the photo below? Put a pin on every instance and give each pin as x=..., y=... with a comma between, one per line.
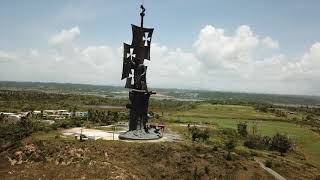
x=134, y=71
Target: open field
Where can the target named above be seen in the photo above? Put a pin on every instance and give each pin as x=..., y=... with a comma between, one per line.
x=227, y=116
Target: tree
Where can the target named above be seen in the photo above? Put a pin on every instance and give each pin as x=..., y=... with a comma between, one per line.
x=205, y=135
x=281, y=143
x=90, y=114
x=230, y=146
x=257, y=142
x=309, y=117
x=195, y=133
x=115, y=116
x=242, y=129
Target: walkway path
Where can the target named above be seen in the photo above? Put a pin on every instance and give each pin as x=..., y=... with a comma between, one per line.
x=269, y=170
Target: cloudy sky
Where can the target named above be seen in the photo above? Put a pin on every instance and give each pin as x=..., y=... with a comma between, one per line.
x=266, y=46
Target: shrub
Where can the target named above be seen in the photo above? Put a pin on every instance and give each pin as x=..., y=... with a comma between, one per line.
x=257, y=142
x=204, y=135
x=281, y=143
x=262, y=107
x=197, y=133
x=194, y=133
x=242, y=129
x=253, y=142
x=266, y=141
x=11, y=134
x=230, y=146
x=215, y=148
x=268, y=163
x=230, y=133
x=309, y=117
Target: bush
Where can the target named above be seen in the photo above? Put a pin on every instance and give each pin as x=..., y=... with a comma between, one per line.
x=257, y=142
x=204, y=135
x=11, y=134
x=194, y=133
x=253, y=142
x=230, y=133
x=278, y=142
x=262, y=107
x=266, y=141
x=197, y=133
x=281, y=143
x=268, y=163
x=242, y=129
x=230, y=146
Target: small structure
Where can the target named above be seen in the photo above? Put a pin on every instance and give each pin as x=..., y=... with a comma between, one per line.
x=13, y=118
x=49, y=122
x=81, y=114
x=10, y=118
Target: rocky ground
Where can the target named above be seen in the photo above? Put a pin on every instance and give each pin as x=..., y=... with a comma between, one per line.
x=54, y=157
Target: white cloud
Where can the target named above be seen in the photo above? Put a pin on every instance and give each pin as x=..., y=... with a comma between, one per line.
x=5, y=56
x=34, y=53
x=65, y=36
x=218, y=61
x=217, y=50
x=270, y=43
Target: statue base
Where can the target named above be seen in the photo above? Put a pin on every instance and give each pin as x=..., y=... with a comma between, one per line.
x=141, y=134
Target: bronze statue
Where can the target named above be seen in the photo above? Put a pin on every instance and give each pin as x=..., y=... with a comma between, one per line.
x=134, y=71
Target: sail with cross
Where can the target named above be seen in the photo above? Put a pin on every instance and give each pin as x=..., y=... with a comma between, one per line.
x=135, y=54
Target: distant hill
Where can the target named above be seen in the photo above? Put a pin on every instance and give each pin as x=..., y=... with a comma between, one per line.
x=175, y=93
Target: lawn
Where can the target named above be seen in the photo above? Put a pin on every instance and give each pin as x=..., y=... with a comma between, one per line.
x=227, y=116
x=226, y=111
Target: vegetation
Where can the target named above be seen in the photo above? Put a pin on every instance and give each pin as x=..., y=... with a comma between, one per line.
x=232, y=126
x=12, y=134
x=242, y=129
x=257, y=142
x=197, y=133
x=230, y=146
x=268, y=163
x=259, y=123
x=281, y=143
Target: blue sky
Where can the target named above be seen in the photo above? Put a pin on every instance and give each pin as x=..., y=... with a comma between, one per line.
x=29, y=25
x=177, y=22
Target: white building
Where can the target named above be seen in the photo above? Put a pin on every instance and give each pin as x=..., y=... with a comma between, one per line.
x=81, y=114
x=11, y=117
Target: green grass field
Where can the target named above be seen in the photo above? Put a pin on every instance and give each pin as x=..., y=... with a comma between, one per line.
x=227, y=116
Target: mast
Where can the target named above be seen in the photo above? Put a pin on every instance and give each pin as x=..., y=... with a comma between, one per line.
x=142, y=14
